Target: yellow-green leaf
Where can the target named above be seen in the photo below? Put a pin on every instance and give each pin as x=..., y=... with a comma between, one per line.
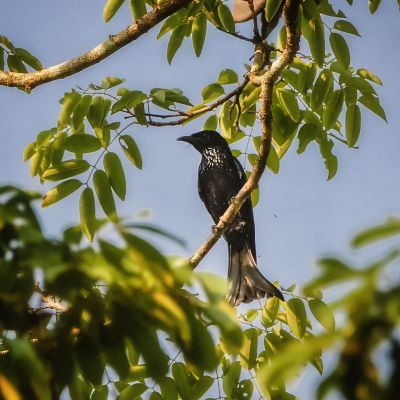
x=372, y=103
x=87, y=212
x=346, y=26
x=316, y=40
x=110, y=9
x=211, y=123
x=323, y=85
x=175, y=41
x=289, y=103
x=211, y=92
x=138, y=8
x=340, y=49
x=115, y=173
x=80, y=112
x=333, y=109
x=322, y=314
x=65, y=169
x=199, y=30
x=131, y=150
x=104, y=194
x=61, y=191
x=225, y=15
x=28, y=58
x=353, y=124
x=366, y=74
x=71, y=100
x=82, y=143
x=227, y=76
x=296, y=316
x=271, y=8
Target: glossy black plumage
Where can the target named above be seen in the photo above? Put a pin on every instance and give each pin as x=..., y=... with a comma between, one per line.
x=220, y=178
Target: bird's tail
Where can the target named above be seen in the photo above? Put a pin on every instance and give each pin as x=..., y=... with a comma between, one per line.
x=246, y=281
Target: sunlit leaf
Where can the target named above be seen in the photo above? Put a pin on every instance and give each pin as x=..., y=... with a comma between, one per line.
x=131, y=150
x=61, y=191
x=115, y=172
x=199, y=30
x=322, y=314
x=104, y=194
x=296, y=316
x=110, y=8
x=353, y=124
x=65, y=169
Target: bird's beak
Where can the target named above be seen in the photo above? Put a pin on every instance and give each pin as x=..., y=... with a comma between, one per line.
x=187, y=139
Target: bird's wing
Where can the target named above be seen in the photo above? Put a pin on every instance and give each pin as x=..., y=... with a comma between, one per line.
x=246, y=212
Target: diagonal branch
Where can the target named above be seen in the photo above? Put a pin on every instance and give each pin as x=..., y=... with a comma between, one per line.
x=31, y=80
x=266, y=81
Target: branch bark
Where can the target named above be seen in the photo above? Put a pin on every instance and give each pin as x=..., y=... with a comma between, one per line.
x=266, y=81
x=29, y=81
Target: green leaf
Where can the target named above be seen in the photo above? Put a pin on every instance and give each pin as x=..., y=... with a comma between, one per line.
x=373, y=5
x=168, y=388
x=181, y=378
x=201, y=387
x=82, y=143
x=100, y=393
x=273, y=160
x=129, y=100
x=230, y=379
x=140, y=114
x=270, y=311
x=172, y=22
x=346, y=26
x=224, y=14
x=111, y=81
x=248, y=352
x=227, y=76
x=211, y=123
x=131, y=150
x=80, y=112
x=307, y=133
x=132, y=392
x=28, y=58
x=104, y=194
x=29, y=151
x=330, y=160
x=110, y=9
x=333, y=109
x=376, y=233
x=98, y=111
x=366, y=74
x=323, y=86
x=289, y=103
x=212, y=92
x=322, y=314
x=199, y=30
x=65, y=169
x=87, y=212
x=15, y=64
x=361, y=85
x=353, y=124
x=138, y=8
x=115, y=173
x=175, y=41
x=61, y=191
x=340, y=49
x=271, y=8
x=296, y=316
x=372, y=103
x=316, y=40
x=103, y=135
x=71, y=101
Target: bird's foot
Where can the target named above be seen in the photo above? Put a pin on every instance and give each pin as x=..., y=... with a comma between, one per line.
x=215, y=230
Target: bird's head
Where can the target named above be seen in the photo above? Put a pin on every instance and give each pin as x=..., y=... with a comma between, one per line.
x=205, y=139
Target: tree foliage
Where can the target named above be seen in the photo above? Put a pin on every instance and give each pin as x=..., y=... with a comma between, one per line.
x=105, y=318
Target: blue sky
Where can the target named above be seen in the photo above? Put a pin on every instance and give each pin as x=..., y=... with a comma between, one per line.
x=300, y=216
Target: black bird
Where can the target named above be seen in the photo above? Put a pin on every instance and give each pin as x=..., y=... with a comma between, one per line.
x=220, y=178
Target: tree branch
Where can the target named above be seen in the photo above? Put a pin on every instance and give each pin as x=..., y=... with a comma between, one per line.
x=31, y=80
x=191, y=114
x=267, y=82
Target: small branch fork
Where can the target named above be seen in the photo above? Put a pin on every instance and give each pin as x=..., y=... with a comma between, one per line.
x=266, y=81
x=31, y=80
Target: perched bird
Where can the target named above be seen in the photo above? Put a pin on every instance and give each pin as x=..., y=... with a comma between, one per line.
x=220, y=178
